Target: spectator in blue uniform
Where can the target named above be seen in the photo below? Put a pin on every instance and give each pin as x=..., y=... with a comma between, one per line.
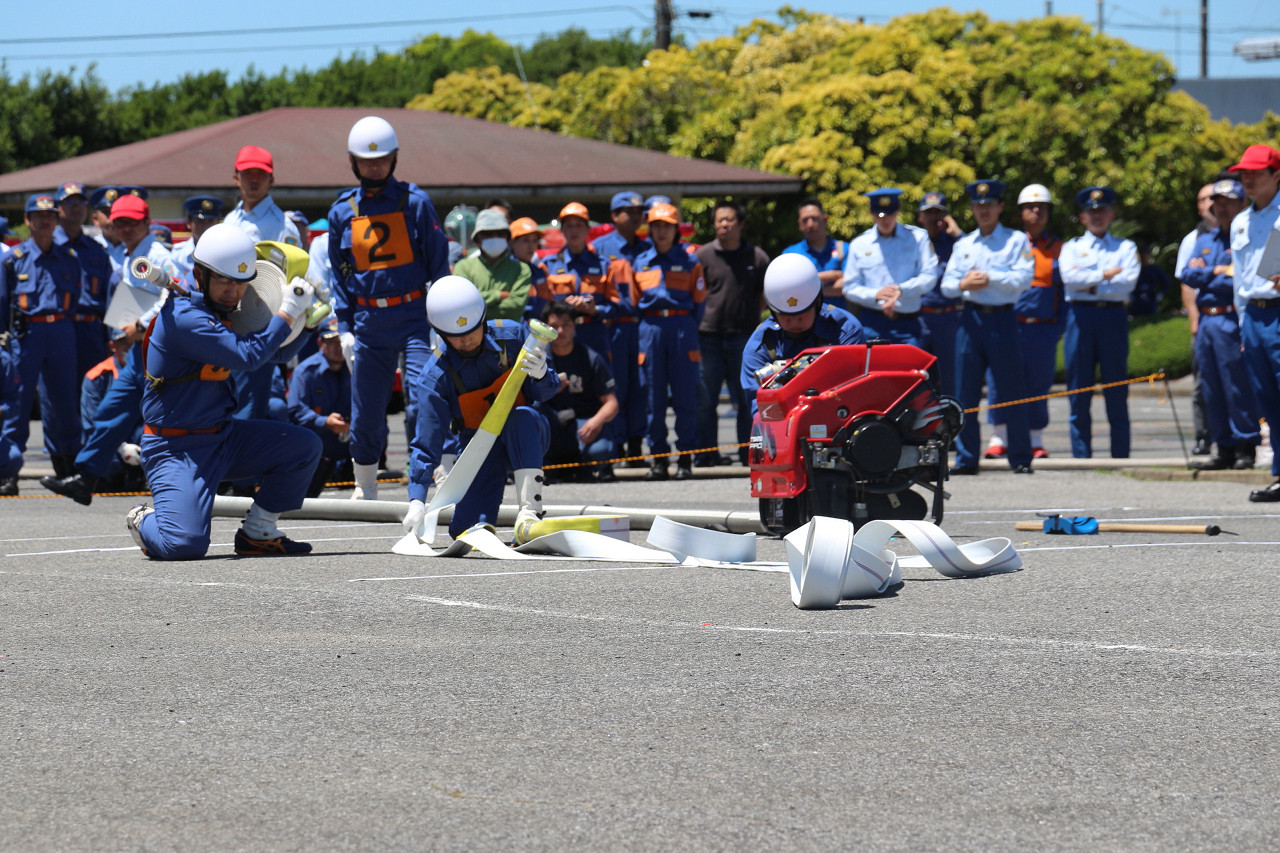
x=1038, y=312
x=190, y=442
x=40, y=283
x=10, y=397
x=889, y=269
x=990, y=268
x=123, y=471
x=627, y=212
x=583, y=407
x=100, y=202
x=1099, y=272
x=320, y=399
x=95, y=268
x=826, y=252
x=455, y=390
x=163, y=234
x=201, y=212
x=1153, y=283
x=801, y=320
x=526, y=237
x=385, y=249
x=670, y=295
x=1228, y=397
x=939, y=315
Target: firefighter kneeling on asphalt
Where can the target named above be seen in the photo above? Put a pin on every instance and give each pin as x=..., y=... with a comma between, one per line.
x=454, y=392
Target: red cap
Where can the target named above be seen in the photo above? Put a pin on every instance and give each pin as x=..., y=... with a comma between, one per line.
x=253, y=157
x=129, y=207
x=1258, y=157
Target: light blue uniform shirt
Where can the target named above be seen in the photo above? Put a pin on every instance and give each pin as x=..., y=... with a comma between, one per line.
x=1084, y=259
x=269, y=219
x=1249, y=232
x=182, y=258
x=320, y=268
x=1004, y=254
x=906, y=258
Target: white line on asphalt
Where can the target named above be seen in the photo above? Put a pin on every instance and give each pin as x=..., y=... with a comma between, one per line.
x=923, y=635
x=527, y=572
x=1127, y=519
x=212, y=545
x=118, y=535
x=1219, y=543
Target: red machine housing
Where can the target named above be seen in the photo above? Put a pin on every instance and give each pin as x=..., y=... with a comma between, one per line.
x=846, y=431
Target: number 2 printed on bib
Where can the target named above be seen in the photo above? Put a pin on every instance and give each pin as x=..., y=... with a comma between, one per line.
x=380, y=242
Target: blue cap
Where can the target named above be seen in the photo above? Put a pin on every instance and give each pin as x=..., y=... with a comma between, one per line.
x=328, y=329
x=104, y=197
x=4, y=227
x=162, y=231
x=43, y=201
x=1229, y=189
x=985, y=190
x=934, y=201
x=630, y=198
x=132, y=189
x=655, y=199
x=204, y=207
x=884, y=201
x=67, y=190
x=1092, y=198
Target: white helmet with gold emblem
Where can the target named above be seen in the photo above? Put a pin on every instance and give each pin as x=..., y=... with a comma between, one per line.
x=228, y=251
x=454, y=306
x=372, y=137
x=791, y=284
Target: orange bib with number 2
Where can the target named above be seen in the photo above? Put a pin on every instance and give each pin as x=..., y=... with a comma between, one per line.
x=380, y=242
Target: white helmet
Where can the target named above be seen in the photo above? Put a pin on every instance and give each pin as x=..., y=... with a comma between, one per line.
x=454, y=306
x=1035, y=194
x=791, y=284
x=227, y=251
x=372, y=137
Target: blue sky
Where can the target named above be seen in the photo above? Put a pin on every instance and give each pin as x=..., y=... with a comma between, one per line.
x=1147, y=23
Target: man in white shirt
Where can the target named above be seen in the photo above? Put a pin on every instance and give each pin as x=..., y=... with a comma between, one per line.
x=1257, y=298
x=1098, y=272
x=255, y=176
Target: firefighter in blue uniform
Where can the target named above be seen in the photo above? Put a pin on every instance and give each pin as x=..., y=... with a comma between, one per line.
x=826, y=252
x=670, y=296
x=1099, y=272
x=890, y=267
x=1039, y=326
x=10, y=396
x=190, y=443
x=801, y=320
x=989, y=269
x=95, y=267
x=202, y=212
x=320, y=400
x=385, y=249
x=454, y=392
x=1228, y=397
x=626, y=209
x=939, y=315
x=40, y=283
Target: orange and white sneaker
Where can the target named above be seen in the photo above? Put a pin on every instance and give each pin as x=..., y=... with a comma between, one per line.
x=995, y=451
x=1039, y=453
x=274, y=547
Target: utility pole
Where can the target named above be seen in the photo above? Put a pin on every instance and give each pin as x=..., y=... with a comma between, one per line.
x=1100, y=2
x=1048, y=8
x=662, y=24
x=1204, y=38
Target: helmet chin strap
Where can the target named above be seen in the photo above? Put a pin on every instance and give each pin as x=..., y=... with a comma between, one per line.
x=369, y=184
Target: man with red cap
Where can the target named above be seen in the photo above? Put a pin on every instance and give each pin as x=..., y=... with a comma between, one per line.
x=1257, y=298
x=255, y=176
x=131, y=219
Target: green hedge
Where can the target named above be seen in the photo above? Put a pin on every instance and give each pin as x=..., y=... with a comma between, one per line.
x=1162, y=341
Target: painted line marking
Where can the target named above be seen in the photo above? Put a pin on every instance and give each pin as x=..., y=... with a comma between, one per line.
x=320, y=525
x=526, y=572
x=1217, y=544
x=1156, y=518
x=212, y=545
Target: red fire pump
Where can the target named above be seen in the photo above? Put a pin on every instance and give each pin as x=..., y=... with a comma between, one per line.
x=846, y=431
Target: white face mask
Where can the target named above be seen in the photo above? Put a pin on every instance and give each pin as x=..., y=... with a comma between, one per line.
x=494, y=247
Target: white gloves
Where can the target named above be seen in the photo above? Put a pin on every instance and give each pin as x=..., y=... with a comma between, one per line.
x=348, y=342
x=535, y=363
x=414, y=517
x=130, y=454
x=443, y=469
x=298, y=297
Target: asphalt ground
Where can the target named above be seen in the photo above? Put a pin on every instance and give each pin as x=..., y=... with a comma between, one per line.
x=1119, y=693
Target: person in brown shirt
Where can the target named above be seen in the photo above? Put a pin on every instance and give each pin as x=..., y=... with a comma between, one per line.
x=734, y=271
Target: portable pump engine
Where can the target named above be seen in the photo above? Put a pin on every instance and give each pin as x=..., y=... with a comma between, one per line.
x=846, y=431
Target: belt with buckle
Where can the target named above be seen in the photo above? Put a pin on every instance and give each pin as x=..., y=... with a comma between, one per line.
x=46, y=318
x=950, y=309
x=172, y=432
x=87, y=318
x=1033, y=321
x=625, y=318
x=1215, y=310
x=1096, y=303
x=1256, y=303
x=987, y=309
x=668, y=312
x=389, y=301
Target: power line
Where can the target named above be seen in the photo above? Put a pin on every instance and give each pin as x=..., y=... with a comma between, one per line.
x=135, y=36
